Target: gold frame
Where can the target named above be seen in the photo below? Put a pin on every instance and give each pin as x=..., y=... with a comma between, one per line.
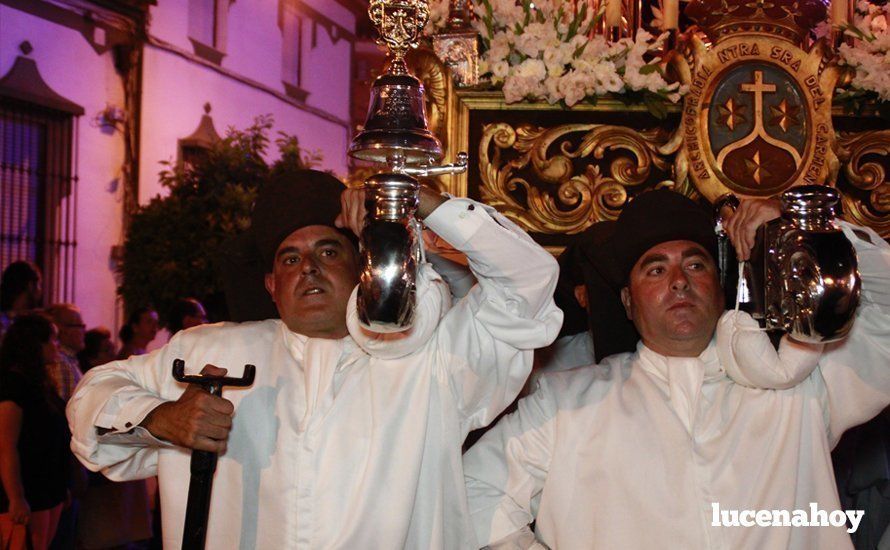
x=461, y=102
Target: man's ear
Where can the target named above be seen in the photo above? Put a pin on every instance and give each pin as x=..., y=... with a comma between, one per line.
x=581, y=295
x=626, y=301
x=269, y=281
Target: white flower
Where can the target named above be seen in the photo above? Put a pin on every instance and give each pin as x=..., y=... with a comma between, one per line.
x=869, y=57
x=517, y=88
x=438, y=16
x=484, y=66
x=528, y=44
x=822, y=29
x=573, y=87
x=556, y=56
x=507, y=13
x=577, y=41
x=547, y=7
x=532, y=68
x=499, y=69
x=538, y=61
x=552, y=86
x=534, y=37
x=512, y=91
x=500, y=47
x=658, y=16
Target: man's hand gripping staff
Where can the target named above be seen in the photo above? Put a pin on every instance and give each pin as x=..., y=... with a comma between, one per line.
x=206, y=430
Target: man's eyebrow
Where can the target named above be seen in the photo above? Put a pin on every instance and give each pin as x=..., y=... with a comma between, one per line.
x=327, y=242
x=317, y=244
x=693, y=251
x=652, y=258
x=286, y=250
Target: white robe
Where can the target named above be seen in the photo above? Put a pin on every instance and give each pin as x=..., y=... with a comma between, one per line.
x=633, y=453
x=331, y=447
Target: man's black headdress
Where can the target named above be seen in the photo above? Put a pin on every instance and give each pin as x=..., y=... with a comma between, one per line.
x=611, y=249
x=290, y=201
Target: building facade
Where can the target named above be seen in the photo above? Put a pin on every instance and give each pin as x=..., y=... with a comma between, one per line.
x=125, y=85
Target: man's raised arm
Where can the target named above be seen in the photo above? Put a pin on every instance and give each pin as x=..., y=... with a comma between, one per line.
x=484, y=344
x=856, y=371
x=506, y=469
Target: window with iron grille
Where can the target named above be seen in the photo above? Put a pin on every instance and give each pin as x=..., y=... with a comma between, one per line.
x=38, y=193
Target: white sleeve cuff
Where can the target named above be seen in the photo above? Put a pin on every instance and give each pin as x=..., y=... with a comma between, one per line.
x=120, y=419
x=457, y=220
x=138, y=436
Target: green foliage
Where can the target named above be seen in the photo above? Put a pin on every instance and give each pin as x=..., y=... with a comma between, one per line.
x=173, y=242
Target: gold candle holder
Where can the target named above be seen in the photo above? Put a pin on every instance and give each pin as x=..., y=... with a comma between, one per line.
x=399, y=24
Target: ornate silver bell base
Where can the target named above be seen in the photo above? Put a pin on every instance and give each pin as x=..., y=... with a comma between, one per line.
x=389, y=250
x=812, y=280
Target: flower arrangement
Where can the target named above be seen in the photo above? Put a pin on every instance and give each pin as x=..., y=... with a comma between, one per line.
x=546, y=51
x=869, y=56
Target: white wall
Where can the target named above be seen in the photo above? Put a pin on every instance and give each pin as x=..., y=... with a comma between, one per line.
x=71, y=67
x=176, y=86
x=327, y=71
x=174, y=93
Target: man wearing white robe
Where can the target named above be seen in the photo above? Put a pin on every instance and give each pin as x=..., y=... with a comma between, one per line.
x=332, y=446
x=635, y=452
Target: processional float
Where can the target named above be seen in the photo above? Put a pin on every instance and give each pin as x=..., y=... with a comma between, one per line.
x=756, y=122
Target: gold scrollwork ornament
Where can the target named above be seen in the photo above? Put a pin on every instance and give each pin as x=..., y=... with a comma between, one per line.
x=565, y=201
x=865, y=172
x=399, y=24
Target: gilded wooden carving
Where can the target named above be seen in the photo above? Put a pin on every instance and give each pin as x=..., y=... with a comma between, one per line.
x=867, y=159
x=568, y=176
x=433, y=74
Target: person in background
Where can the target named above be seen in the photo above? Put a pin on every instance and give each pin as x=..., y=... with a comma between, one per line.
x=98, y=349
x=140, y=330
x=186, y=313
x=93, y=528
x=20, y=291
x=117, y=515
x=34, y=436
x=66, y=374
x=69, y=322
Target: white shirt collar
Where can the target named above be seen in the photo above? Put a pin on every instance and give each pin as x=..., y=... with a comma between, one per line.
x=684, y=377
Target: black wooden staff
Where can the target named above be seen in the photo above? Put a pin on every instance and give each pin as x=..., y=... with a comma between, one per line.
x=203, y=462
